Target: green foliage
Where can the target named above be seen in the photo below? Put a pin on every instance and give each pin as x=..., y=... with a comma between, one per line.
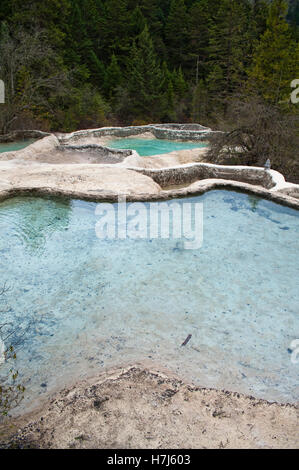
x=84, y=108
x=144, y=78
x=179, y=84
x=199, y=37
x=176, y=33
x=138, y=22
x=50, y=15
x=227, y=47
x=276, y=60
x=150, y=60
x=113, y=77
x=200, y=102
x=293, y=13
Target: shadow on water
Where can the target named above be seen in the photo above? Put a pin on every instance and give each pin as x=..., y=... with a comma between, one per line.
x=261, y=207
x=36, y=220
x=253, y=201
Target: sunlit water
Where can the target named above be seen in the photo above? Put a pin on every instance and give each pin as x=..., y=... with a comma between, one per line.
x=78, y=304
x=148, y=147
x=13, y=146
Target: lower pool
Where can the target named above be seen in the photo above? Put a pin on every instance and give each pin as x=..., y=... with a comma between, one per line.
x=13, y=146
x=78, y=304
x=148, y=147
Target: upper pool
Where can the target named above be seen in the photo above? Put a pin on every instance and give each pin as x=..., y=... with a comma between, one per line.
x=13, y=146
x=148, y=147
x=78, y=304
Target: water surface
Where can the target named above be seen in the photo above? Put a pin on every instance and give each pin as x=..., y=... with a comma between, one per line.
x=13, y=146
x=148, y=147
x=78, y=304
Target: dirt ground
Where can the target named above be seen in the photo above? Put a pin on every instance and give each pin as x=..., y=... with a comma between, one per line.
x=142, y=408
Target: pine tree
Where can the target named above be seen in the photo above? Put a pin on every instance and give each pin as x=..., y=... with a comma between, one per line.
x=81, y=46
x=97, y=69
x=227, y=49
x=154, y=15
x=46, y=15
x=276, y=60
x=169, y=104
x=200, y=102
x=256, y=26
x=137, y=21
x=5, y=10
x=144, y=77
x=167, y=76
x=198, y=40
x=293, y=13
x=113, y=77
x=77, y=40
x=176, y=33
x=116, y=35
x=179, y=83
x=94, y=17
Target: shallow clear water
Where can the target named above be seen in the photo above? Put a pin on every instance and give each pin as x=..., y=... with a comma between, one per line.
x=79, y=304
x=13, y=146
x=148, y=147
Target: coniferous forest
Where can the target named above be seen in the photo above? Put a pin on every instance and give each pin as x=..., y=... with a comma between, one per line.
x=71, y=64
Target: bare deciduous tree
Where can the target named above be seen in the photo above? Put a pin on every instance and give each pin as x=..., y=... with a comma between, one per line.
x=256, y=131
x=31, y=72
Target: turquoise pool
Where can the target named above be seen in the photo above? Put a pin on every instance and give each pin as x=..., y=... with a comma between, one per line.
x=148, y=147
x=78, y=304
x=13, y=146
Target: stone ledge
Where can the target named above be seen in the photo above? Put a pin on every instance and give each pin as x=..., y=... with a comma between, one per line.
x=98, y=181
x=169, y=132
x=104, y=195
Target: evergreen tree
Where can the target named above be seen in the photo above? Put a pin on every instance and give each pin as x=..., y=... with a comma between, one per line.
x=198, y=40
x=144, y=78
x=167, y=76
x=276, y=60
x=168, y=94
x=293, y=13
x=200, y=102
x=46, y=15
x=116, y=35
x=207, y=50
x=256, y=26
x=176, y=33
x=169, y=104
x=77, y=41
x=154, y=15
x=138, y=22
x=227, y=49
x=179, y=83
x=5, y=10
x=113, y=77
x=81, y=46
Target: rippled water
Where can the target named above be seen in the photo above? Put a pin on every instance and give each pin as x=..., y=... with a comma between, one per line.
x=13, y=146
x=78, y=304
x=148, y=147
